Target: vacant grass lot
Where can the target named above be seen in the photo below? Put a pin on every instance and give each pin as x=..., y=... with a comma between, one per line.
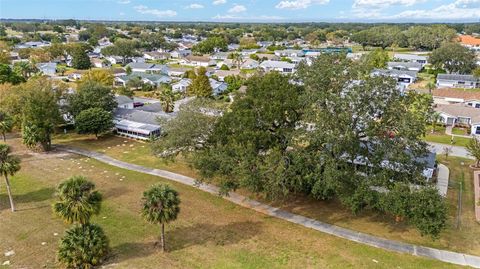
x=461, y=240
x=210, y=232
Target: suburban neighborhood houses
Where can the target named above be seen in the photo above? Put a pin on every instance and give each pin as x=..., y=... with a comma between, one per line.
x=140, y=141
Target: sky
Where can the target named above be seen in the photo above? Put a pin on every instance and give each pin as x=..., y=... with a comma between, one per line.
x=246, y=10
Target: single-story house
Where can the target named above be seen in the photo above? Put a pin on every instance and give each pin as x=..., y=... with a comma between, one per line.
x=221, y=74
x=403, y=77
x=220, y=56
x=180, y=53
x=249, y=64
x=454, y=96
x=470, y=42
x=148, y=68
x=460, y=114
x=156, y=55
x=134, y=103
x=404, y=57
x=410, y=66
x=457, y=81
x=279, y=66
x=266, y=56
x=152, y=79
x=217, y=86
x=115, y=59
x=177, y=71
x=137, y=124
x=355, y=56
x=192, y=60
x=181, y=85
x=32, y=45
x=290, y=53
x=248, y=52
x=48, y=69
x=100, y=63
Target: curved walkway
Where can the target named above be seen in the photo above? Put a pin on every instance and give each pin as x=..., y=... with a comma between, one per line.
x=442, y=255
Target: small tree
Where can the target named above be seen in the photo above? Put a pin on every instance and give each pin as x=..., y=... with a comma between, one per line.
x=447, y=151
x=6, y=124
x=429, y=211
x=83, y=246
x=434, y=119
x=161, y=205
x=128, y=70
x=94, y=121
x=473, y=148
x=77, y=200
x=200, y=86
x=167, y=97
x=9, y=165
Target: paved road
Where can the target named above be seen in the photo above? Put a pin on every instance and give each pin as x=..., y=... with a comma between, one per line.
x=437, y=254
x=457, y=151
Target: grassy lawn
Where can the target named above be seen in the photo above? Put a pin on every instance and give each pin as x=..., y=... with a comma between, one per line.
x=330, y=212
x=210, y=232
x=460, y=131
x=439, y=136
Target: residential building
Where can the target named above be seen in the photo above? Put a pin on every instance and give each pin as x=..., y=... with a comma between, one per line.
x=457, y=81
x=180, y=53
x=414, y=58
x=32, y=45
x=156, y=55
x=138, y=124
x=181, y=85
x=148, y=68
x=49, y=69
x=279, y=66
x=290, y=53
x=403, y=77
x=410, y=66
x=454, y=96
x=192, y=60
x=470, y=42
x=148, y=78
x=460, y=114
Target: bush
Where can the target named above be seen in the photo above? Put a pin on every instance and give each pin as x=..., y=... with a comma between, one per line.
x=83, y=246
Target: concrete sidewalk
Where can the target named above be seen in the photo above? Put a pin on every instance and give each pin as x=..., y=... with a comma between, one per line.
x=362, y=238
x=442, y=179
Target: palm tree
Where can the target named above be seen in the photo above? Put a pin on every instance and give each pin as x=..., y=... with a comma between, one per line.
x=237, y=59
x=167, y=97
x=161, y=205
x=9, y=165
x=6, y=124
x=83, y=246
x=434, y=118
x=77, y=201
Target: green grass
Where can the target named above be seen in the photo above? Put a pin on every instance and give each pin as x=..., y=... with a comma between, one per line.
x=439, y=136
x=460, y=131
x=328, y=211
x=210, y=232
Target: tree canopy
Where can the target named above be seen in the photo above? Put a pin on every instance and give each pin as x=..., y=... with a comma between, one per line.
x=454, y=58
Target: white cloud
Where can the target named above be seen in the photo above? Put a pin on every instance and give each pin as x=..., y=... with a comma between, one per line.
x=299, y=4
x=460, y=9
x=230, y=17
x=195, y=6
x=124, y=2
x=156, y=12
x=384, y=3
x=219, y=2
x=237, y=9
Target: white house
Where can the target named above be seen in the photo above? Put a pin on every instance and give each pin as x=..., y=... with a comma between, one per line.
x=460, y=114
x=148, y=68
x=403, y=77
x=48, y=69
x=180, y=53
x=192, y=60
x=181, y=85
x=291, y=53
x=156, y=55
x=404, y=57
x=457, y=81
x=137, y=124
x=410, y=66
x=279, y=66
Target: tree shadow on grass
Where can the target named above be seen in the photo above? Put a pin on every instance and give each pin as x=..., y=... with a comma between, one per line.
x=220, y=235
x=183, y=237
x=26, y=198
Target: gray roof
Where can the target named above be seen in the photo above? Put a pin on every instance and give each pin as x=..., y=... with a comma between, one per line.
x=457, y=77
x=394, y=73
x=404, y=56
x=140, y=116
x=138, y=65
x=152, y=77
x=122, y=99
x=405, y=64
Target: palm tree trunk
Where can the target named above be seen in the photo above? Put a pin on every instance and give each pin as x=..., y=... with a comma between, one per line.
x=162, y=237
x=7, y=182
